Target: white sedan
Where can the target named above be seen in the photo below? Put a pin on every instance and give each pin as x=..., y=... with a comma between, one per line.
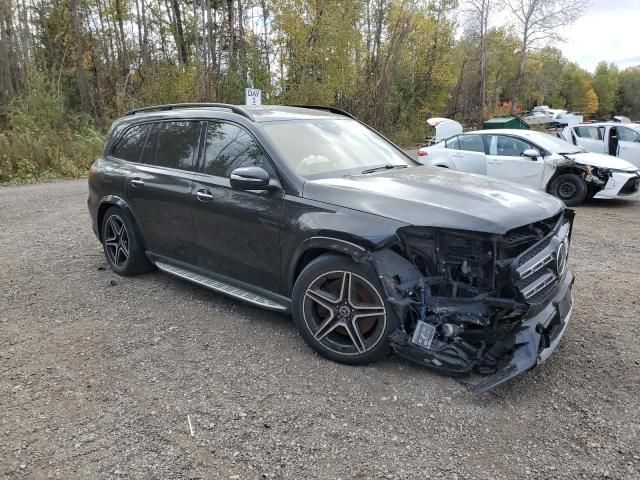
x=536, y=160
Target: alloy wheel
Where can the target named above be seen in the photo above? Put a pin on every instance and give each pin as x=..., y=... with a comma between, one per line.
x=116, y=241
x=344, y=312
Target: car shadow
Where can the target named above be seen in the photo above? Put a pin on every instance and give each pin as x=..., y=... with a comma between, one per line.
x=611, y=203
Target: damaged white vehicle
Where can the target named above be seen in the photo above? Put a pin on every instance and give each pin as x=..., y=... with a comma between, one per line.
x=536, y=160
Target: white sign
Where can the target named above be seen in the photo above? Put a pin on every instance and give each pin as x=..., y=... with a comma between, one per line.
x=252, y=96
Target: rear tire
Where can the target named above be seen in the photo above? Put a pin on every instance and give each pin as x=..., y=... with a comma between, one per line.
x=339, y=308
x=569, y=188
x=122, y=248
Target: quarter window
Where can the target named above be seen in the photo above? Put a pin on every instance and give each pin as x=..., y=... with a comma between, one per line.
x=453, y=143
x=504, y=146
x=175, y=144
x=131, y=143
x=471, y=143
x=229, y=147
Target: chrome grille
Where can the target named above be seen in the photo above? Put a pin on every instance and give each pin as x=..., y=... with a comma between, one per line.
x=535, y=269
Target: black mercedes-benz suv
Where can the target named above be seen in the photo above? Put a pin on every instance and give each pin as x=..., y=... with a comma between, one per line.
x=309, y=211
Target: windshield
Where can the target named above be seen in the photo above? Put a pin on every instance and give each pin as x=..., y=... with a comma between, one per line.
x=322, y=148
x=555, y=144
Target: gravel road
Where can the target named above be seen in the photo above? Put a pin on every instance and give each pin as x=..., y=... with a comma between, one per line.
x=100, y=374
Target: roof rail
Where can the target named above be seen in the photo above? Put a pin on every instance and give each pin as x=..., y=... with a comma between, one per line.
x=171, y=106
x=328, y=109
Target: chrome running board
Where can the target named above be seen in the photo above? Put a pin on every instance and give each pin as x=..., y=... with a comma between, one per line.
x=221, y=287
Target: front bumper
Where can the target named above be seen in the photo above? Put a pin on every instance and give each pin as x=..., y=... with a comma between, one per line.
x=537, y=337
x=621, y=184
x=534, y=341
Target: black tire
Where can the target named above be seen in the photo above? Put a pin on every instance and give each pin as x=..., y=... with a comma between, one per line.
x=569, y=188
x=122, y=248
x=357, y=328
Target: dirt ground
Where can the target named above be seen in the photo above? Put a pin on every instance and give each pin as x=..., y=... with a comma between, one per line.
x=100, y=374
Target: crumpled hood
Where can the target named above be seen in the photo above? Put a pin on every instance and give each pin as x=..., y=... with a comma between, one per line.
x=600, y=160
x=436, y=197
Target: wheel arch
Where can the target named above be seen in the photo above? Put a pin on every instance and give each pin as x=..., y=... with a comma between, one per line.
x=109, y=201
x=314, y=247
x=561, y=170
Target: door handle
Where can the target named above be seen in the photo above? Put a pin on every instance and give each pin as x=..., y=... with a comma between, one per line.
x=493, y=162
x=137, y=182
x=203, y=195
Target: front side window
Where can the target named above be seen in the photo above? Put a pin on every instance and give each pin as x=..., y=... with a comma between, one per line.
x=175, y=144
x=628, y=135
x=229, y=147
x=131, y=143
x=504, y=146
x=324, y=148
x=471, y=143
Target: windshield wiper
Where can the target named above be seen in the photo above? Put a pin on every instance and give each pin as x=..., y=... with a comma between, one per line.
x=383, y=167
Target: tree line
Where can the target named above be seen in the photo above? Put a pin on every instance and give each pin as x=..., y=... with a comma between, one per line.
x=69, y=67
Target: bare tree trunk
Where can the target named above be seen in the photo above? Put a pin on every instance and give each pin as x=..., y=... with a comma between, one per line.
x=180, y=42
x=123, y=39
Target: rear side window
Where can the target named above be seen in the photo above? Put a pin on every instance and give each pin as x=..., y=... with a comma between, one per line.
x=229, y=147
x=594, y=133
x=130, y=145
x=471, y=143
x=175, y=144
x=453, y=143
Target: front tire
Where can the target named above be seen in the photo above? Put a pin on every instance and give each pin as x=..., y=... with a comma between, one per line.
x=122, y=248
x=569, y=188
x=339, y=308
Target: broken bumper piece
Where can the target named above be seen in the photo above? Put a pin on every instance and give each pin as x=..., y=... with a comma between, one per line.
x=533, y=342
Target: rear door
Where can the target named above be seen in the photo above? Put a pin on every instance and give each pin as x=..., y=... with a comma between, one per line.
x=629, y=145
x=237, y=232
x=505, y=160
x=470, y=156
x=591, y=138
x=160, y=188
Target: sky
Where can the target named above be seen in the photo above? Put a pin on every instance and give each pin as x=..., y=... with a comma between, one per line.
x=608, y=30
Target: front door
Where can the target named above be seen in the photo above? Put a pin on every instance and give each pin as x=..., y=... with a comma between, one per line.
x=159, y=189
x=505, y=160
x=237, y=232
x=629, y=145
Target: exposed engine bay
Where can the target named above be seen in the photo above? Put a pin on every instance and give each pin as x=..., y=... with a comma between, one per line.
x=462, y=298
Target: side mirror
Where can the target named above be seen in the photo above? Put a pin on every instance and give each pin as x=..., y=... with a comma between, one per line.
x=531, y=153
x=249, y=178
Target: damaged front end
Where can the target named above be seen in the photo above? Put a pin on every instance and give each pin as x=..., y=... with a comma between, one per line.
x=468, y=302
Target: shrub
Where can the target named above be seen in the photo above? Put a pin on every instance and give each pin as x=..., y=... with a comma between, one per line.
x=43, y=140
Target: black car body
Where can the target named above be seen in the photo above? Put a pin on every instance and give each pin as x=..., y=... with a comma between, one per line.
x=472, y=270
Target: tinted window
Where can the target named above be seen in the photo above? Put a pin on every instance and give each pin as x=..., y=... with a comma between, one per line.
x=471, y=143
x=229, y=147
x=130, y=144
x=176, y=143
x=628, y=135
x=594, y=133
x=453, y=143
x=504, y=146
